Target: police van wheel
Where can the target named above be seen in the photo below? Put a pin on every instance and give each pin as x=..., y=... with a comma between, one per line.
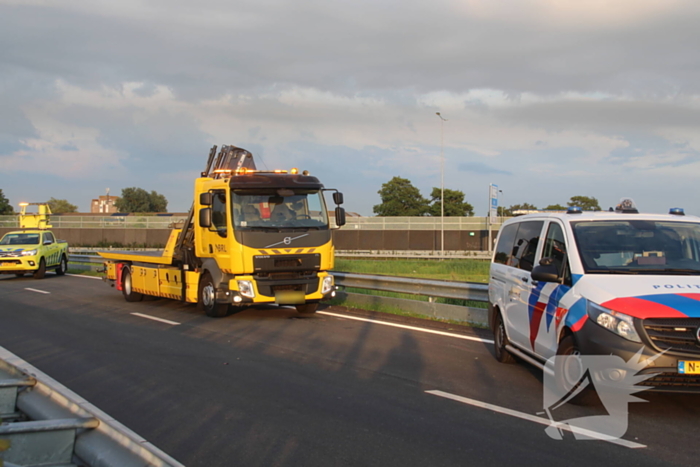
x=500, y=340
x=128, y=287
x=62, y=266
x=307, y=308
x=207, y=299
x=569, y=371
x=41, y=272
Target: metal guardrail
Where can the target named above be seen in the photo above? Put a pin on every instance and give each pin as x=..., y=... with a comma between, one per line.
x=412, y=286
x=46, y=423
x=353, y=223
x=405, y=285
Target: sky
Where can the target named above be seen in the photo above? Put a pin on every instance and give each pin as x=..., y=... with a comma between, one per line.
x=548, y=99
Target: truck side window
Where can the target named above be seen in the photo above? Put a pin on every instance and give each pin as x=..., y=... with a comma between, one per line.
x=218, y=212
x=48, y=237
x=504, y=249
x=555, y=248
x=526, y=242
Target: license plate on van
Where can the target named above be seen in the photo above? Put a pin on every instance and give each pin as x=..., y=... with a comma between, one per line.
x=688, y=367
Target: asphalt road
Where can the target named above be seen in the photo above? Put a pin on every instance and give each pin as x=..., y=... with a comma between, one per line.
x=267, y=388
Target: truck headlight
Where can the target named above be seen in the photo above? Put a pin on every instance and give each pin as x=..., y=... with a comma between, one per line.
x=614, y=321
x=246, y=289
x=28, y=252
x=327, y=285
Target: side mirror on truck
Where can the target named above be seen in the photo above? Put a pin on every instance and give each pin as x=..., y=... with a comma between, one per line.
x=338, y=197
x=339, y=215
x=205, y=217
x=546, y=271
x=205, y=199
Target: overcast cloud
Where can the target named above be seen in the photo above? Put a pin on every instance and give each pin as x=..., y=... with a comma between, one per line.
x=546, y=98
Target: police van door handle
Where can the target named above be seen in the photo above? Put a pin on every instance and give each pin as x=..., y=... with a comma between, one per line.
x=524, y=279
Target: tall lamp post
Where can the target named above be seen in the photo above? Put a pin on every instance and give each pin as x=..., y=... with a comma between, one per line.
x=442, y=184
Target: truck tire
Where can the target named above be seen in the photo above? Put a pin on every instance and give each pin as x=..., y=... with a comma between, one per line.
x=206, y=299
x=307, y=308
x=500, y=340
x=41, y=272
x=62, y=266
x=128, y=287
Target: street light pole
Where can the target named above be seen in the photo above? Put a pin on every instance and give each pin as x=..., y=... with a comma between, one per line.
x=442, y=184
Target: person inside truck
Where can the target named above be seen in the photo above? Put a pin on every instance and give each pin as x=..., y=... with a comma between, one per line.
x=281, y=212
x=251, y=213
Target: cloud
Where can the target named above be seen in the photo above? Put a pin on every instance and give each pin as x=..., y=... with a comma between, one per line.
x=481, y=168
x=536, y=92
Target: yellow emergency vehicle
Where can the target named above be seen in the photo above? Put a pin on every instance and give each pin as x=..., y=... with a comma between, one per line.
x=251, y=237
x=34, y=249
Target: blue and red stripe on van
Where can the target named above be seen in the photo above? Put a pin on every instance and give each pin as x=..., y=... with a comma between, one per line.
x=657, y=305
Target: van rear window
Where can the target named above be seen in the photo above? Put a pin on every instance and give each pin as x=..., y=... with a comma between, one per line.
x=518, y=243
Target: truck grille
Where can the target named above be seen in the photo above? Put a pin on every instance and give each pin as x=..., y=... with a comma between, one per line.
x=9, y=261
x=674, y=334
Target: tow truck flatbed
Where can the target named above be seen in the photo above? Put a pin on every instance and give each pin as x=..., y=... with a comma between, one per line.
x=152, y=257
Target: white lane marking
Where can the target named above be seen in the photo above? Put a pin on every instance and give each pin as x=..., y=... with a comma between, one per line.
x=540, y=420
x=166, y=321
x=86, y=277
x=37, y=290
x=412, y=328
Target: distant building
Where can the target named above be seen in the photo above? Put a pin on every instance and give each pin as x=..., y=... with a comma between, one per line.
x=104, y=205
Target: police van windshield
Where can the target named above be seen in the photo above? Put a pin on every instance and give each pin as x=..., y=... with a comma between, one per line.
x=278, y=209
x=20, y=239
x=638, y=246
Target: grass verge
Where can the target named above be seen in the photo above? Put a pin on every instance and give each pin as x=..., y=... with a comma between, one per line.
x=463, y=270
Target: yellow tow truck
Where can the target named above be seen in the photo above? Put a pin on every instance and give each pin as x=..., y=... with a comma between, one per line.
x=34, y=249
x=251, y=237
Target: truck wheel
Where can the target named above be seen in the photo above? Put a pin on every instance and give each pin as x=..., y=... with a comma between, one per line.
x=207, y=298
x=41, y=272
x=568, y=372
x=128, y=287
x=307, y=308
x=500, y=340
x=62, y=266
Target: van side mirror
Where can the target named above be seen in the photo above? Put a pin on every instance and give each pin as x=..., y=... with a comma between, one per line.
x=546, y=271
x=338, y=197
x=205, y=217
x=339, y=216
x=205, y=199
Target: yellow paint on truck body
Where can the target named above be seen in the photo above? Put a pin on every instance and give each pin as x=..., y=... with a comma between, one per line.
x=158, y=274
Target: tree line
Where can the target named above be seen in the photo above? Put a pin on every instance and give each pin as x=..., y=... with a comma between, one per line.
x=131, y=200
x=400, y=198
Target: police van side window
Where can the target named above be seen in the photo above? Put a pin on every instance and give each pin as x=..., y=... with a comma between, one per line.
x=555, y=248
x=526, y=241
x=504, y=248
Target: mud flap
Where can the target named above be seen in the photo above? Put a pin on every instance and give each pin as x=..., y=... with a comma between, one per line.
x=120, y=267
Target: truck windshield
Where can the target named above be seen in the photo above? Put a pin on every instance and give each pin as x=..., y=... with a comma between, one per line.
x=20, y=239
x=638, y=247
x=278, y=209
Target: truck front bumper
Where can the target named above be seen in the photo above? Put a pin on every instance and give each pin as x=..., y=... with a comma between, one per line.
x=295, y=291
x=18, y=264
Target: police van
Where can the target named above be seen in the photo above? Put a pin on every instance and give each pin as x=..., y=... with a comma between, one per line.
x=600, y=283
